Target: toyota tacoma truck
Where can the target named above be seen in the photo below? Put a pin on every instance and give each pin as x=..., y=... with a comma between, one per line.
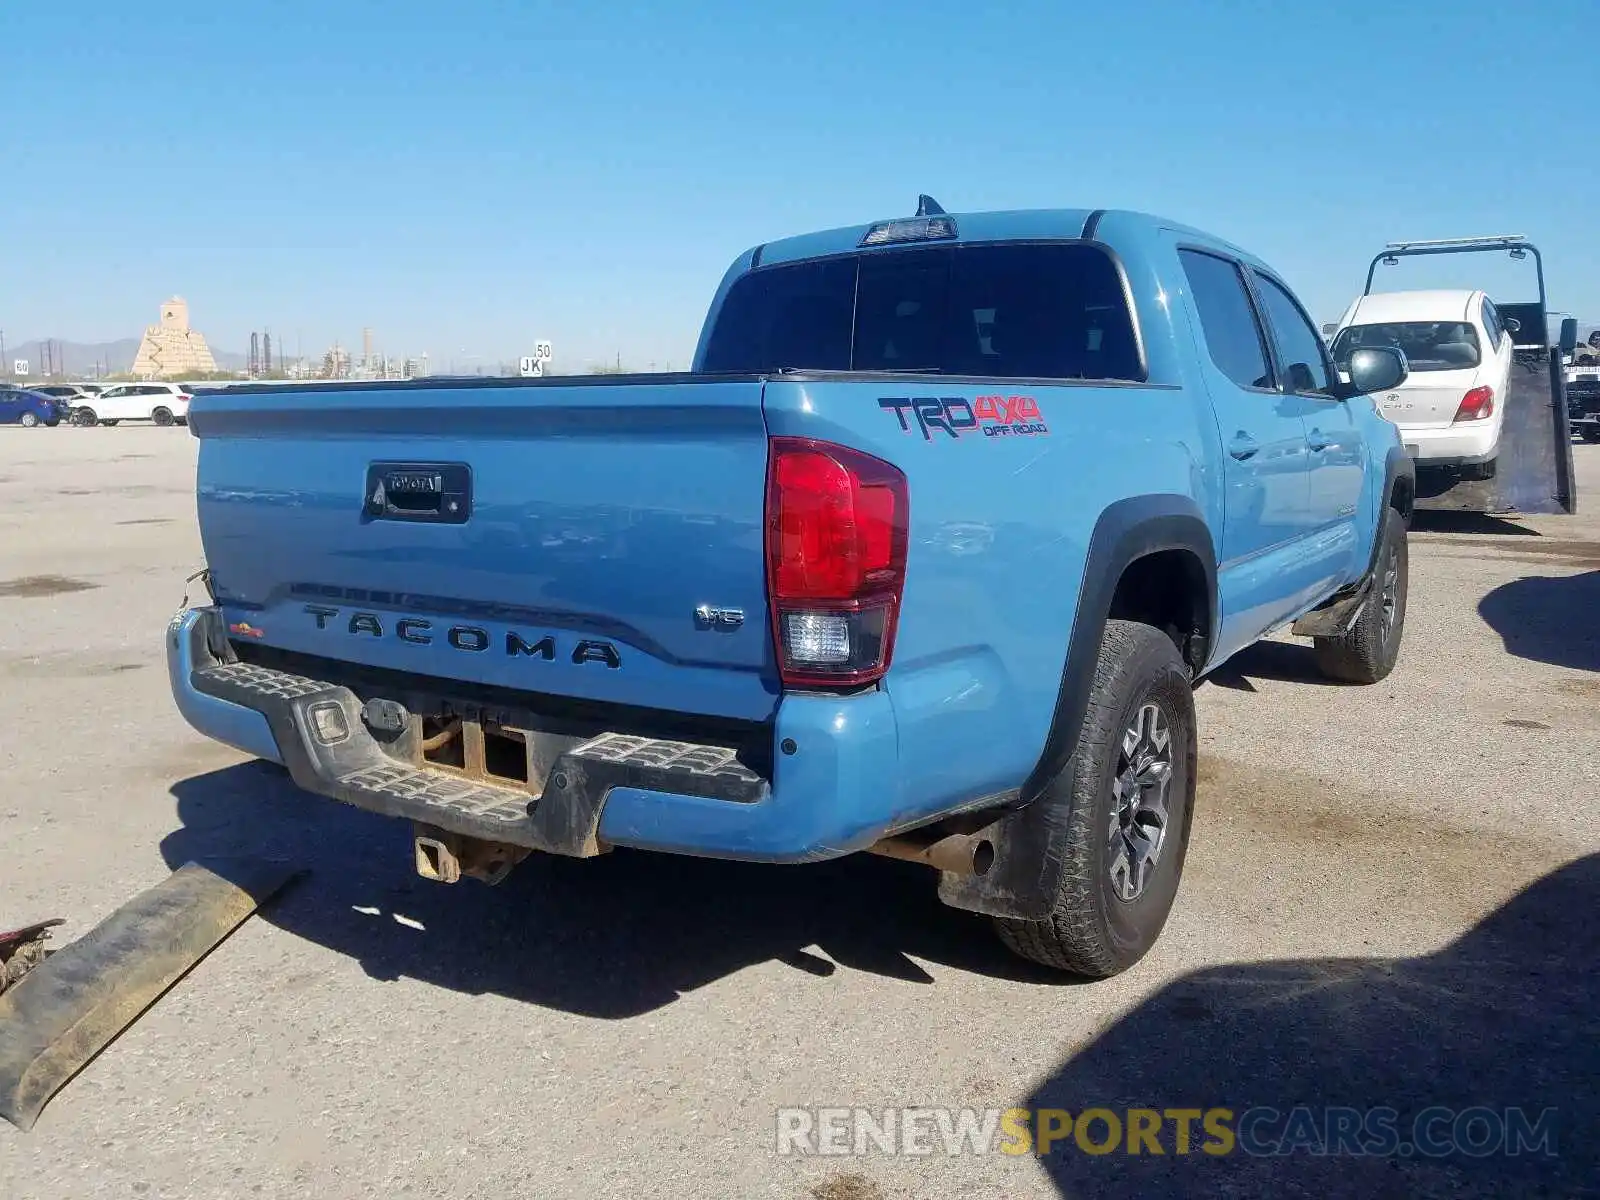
x=923, y=557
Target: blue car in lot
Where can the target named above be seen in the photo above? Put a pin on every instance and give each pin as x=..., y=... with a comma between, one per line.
x=19, y=406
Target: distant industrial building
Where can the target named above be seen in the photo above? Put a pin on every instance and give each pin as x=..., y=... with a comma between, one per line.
x=172, y=348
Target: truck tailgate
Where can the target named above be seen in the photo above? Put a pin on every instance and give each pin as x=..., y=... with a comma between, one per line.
x=598, y=540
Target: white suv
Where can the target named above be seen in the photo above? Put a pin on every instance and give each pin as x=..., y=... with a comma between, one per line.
x=1453, y=403
x=163, y=403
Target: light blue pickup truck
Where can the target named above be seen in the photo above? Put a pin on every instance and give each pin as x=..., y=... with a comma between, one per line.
x=923, y=558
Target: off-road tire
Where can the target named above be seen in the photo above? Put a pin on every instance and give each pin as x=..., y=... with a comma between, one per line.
x=1091, y=930
x=162, y=416
x=1367, y=651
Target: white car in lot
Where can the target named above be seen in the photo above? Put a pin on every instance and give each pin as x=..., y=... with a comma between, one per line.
x=163, y=403
x=1452, y=405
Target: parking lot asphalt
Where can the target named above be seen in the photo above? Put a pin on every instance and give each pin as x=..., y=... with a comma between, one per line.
x=1391, y=899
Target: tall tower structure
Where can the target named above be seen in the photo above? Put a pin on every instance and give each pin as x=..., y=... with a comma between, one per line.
x=171, y=348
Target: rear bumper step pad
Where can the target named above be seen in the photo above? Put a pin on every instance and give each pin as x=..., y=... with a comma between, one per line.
x=341, y=758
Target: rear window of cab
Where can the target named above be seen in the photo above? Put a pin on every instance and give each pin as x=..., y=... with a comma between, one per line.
x=1005, y=311
x=1427, y=345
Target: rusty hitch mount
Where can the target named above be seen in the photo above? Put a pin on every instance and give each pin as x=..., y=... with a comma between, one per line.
x=445, y=857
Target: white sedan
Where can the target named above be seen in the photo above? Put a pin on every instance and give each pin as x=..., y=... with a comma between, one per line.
x=1452, y=405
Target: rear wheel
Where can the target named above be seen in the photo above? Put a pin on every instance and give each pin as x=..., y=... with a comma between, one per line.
x=29, y=420
x=1125, y=798
x=162, y=416
x=1591, y=433
x=1367, y=652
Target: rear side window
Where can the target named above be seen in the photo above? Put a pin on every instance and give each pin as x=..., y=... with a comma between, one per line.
x=1298, y=344
x=1232, y=333
x=1491, y=323
x=1048, y=311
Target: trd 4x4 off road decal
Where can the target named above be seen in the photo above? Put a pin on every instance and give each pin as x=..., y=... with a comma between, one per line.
x=996, y=416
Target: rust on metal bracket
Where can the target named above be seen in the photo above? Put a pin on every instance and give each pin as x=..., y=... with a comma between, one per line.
x=445, y=857
x=21, y=950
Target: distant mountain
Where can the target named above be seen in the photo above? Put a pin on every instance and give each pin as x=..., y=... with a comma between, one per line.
x=86, y=358
x=74, y=358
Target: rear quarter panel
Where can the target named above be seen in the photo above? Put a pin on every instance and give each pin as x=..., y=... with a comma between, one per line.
x=1000, y=526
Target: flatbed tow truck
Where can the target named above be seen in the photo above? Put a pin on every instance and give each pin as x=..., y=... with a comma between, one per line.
x=1534, y=470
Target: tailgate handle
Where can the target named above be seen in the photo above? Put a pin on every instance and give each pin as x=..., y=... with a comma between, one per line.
x=440, y=493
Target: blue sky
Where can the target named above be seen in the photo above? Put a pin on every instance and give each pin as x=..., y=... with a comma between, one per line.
x=467, y=177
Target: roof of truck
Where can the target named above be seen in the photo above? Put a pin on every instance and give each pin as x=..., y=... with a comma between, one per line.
x=1006, y=225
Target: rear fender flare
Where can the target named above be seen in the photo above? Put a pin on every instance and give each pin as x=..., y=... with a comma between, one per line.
x=1023, y=879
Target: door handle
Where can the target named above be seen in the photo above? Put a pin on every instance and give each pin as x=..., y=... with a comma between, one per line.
x=1243, y=445
x=1318, y=440
x=440, y=493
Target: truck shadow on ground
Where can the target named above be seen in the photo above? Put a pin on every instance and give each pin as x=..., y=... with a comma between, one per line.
x=1548, y=618
x=610, y=937
x=1481, y=524
x=1508, y=1015
x=1290, y=662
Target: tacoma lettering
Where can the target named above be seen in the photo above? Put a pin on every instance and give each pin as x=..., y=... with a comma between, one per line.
x=366, y=623
x=471, y=639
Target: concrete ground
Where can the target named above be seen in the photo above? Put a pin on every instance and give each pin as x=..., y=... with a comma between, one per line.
x=1390, y=899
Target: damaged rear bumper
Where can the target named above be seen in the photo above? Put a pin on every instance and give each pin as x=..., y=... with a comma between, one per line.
x=830, y=791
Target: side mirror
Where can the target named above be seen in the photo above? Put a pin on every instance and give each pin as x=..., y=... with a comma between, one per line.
x=1377, y=369
x=1512, y=325
x=1569, y=335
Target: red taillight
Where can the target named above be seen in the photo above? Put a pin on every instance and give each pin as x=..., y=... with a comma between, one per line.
x=836, y=561
x=1476, y=404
